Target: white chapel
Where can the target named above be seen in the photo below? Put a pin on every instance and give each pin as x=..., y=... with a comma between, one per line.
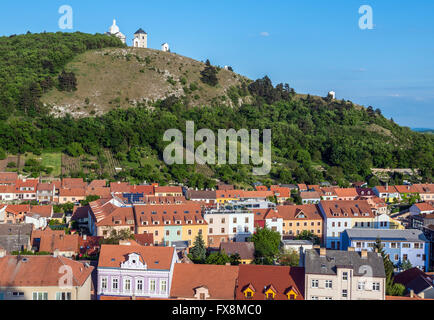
x=114, y=30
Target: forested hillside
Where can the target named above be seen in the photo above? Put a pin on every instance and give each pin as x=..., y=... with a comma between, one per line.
x=314, y=139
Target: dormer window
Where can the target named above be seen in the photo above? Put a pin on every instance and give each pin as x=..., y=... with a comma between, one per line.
x=156, y=222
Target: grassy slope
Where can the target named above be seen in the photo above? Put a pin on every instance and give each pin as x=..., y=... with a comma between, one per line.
x=110, y=78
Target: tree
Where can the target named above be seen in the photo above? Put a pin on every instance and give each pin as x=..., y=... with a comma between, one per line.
x=289, y=258
x=267, y=243
x=89, y=199
x=218, y=258
x=392, y=288
x=235, y=259
x=405, y=265
x=308, y=235
x=198, y=252
x=209, y=75
x=67, y=81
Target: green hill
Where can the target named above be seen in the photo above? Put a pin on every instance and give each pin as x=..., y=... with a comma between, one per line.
x=99, y=106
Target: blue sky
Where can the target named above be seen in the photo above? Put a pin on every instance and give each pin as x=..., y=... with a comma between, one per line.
x=315, y=46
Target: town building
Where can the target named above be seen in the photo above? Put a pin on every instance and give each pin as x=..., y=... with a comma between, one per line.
x=401, y=245
x=297, y=219
x=171, y=223
x=135, y=271
x=43, y=278
x=344, y=275
x=229, y=225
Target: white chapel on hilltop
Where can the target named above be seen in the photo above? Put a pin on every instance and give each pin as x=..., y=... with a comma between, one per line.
x=114, y=30
x=140, y=39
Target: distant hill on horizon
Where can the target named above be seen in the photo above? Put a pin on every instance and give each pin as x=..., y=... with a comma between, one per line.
x=423, y=130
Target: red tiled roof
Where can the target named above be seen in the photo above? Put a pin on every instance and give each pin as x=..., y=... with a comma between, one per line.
x=146, y=190
x=39, y=271
x=219, y=280
x=350, y=208
x=168, y=189
x=120, y=187
x=310, y=211
x=8, y=176
x=346, y=192
x=118, y=217
x=183, y=213
x=160, y=258
x=75, y=192
x=281, y=278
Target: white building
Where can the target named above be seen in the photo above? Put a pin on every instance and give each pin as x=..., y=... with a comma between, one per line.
x=114, y=30
x=37, y=221
x=229, y=226
x=140, y=39
x=165, y=47
x=344, y=275
x=332, y=94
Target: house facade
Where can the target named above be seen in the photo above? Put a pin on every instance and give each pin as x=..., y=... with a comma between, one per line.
x=135, y=271
x=344, y=275
x=401, y=245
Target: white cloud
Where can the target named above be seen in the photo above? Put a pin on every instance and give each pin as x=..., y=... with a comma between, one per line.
x=264, y=34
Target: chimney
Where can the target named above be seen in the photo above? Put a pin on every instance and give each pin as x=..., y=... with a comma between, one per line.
x=228, y=263
x=351, y=249
x=411, y=293
x=2, y=253
x=387, y=186
x=56, y=253
x=124, y=243
x=364, y=254
x=301, y=259
x=85, y=237
x=322, y=252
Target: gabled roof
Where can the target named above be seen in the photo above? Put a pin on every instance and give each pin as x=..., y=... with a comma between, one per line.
x=8, y=176
x=56, y=240
x=347, y=208
x=40, y=271
x=157, y=258
x=246, y=250
x=140, y=31
x=415, y=279
x=123, y=215
x=311, y=212
x=219, y=280
x=346, y=192
x=281, y=278
x=73, y=192
x=310, y=195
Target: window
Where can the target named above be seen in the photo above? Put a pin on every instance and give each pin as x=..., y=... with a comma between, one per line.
x=223, y=220
x=223, y=230
x=210, y=231
x=104, y=284
x=178, y=232
x=247, y=220
x=358, y=244
x=246, y=229
x=314, y=283
x=344, y=276
x=152, y=286
x=405, y=257
x=189, y=232
x=18, y=294
x=361, y=285
x=167, y=233
x=393, y=245
x=163, y=286
x=139, y=285
x=344, y=293
x=211, y=220
x=156, y=232
x=40, y=295
x=314, y=298
x=234, y=230
x=328, y=298
x=418, y=245
x=406, y=245
x=376, y=286
x=127, y=285
x=235, y=220
x=329, y=284
x=249, y=295
x=396, y=257
x=115, y=284
x=63, y=295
